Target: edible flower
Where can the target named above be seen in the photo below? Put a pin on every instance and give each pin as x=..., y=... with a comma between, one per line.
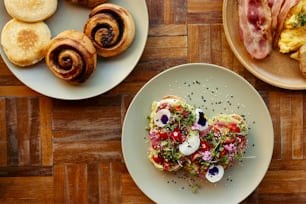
x=215, y=173
x=230, y=147
x=206, y=156
x=162, y=117
x=201, y=121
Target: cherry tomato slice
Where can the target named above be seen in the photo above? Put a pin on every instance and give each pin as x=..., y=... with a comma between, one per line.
x=157, y=159
x=176, y=135
x=166, y=166
x=204, y=146
x=222, y=153
x=234, y=128
x=163, y=135
x=195, y=156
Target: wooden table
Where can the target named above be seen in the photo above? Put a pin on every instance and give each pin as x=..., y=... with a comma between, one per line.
x=70, y=151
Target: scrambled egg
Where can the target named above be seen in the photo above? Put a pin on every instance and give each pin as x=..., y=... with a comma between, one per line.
x=293, y=35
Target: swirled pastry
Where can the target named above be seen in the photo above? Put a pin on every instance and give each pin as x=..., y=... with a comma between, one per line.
x=111, y=28
x=88, y=3
x=24, y=43
x=71, y=56
x=31, y=10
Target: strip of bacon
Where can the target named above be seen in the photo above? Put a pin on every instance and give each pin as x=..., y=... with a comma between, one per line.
x=275, y=6
x=255, y=27
x=286, y=7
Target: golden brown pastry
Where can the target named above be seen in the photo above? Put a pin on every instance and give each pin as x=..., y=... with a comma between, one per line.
x=88, y=3
x=31, y=10
x=300, y=56
x=111, y=28
x=71, y=56
x=24, y=43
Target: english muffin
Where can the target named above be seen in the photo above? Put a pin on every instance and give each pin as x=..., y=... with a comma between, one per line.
x=31, y=10
x=24, y=43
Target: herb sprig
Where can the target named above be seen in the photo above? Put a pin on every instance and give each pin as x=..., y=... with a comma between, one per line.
x=301, y=20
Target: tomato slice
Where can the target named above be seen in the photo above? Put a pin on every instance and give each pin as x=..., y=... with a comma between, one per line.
x=234, y=128
x=157, y=159
x=195, y=156
x=222, y=153
x=204, y=146
x=166, y=166
x=163, y=135
x=229, y=140
x=178, y=108
x=176, y=134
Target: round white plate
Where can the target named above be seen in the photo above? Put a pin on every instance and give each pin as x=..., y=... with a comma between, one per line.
x=109, y=72
x=215, y=90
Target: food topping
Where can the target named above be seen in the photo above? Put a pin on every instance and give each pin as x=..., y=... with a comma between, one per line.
x=162, y=117
x=215, y=173
x=293, y=34
x=190, y=145
x=182, y=137
x=255, y=27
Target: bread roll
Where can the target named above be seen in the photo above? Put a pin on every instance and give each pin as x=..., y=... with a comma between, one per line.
x=31, y=10
x=71, y=56
x=88, y=3
x=300, y=56
x=24, y=43
x=111, y=28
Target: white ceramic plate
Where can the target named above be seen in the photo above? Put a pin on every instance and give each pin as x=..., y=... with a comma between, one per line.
x=278, y=69
x=215, y=90
x=109, y=73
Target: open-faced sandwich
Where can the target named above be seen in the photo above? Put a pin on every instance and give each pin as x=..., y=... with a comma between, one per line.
x=174, y=132
x=181, y=136
x=221, y=144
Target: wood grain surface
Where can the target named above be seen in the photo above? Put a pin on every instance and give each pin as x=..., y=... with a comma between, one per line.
x=55, y=151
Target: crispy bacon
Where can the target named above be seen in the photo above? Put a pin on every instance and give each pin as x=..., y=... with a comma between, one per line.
x=275, y=6
x=286, y=7
x=255, y=27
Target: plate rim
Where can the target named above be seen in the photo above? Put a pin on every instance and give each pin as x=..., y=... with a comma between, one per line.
x=245, y=64
x=198, y=64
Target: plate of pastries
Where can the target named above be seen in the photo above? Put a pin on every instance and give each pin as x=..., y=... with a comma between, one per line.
x=268, y=38
x=72, y=49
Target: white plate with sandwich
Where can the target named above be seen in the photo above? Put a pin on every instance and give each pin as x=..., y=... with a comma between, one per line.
x=215, y=90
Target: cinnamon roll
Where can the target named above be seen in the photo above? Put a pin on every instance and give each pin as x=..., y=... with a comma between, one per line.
x=88, y=3
x=111, y=29
x=71, y=56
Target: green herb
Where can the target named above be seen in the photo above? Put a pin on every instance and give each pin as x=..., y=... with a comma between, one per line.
x=301, y=20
